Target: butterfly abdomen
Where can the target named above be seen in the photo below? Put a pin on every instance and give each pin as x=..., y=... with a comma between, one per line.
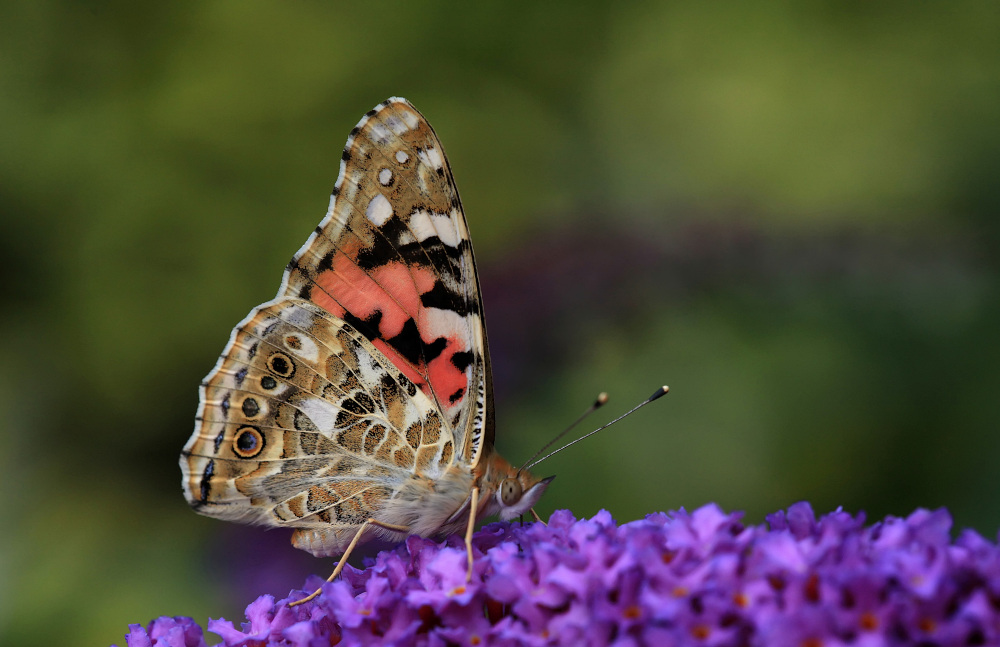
x=428, y=506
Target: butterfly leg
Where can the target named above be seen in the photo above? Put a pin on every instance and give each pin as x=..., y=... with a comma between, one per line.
x=347, y=553
x=537, y=518
x=473, y=506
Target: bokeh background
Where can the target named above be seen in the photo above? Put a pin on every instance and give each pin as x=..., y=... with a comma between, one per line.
x=788, y=211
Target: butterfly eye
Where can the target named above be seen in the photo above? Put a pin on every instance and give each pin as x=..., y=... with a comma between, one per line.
x=248, y=442
x=510, y=491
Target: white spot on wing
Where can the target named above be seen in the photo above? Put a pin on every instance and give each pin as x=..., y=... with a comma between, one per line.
x=421, y=225
x=448, y=324
x=385, y=177
x=406, y=237
x=447, y=230
x=379, y=134
x=322, y=413
x=379, y=210
x=395, y=125
x=402, y=157
x=409, y=118
x=425, y=224
x=435, y=156
x=307, y=348
x=431, y=157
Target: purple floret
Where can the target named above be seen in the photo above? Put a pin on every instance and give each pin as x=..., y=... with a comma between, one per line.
x=166, y=632
x=699, y=578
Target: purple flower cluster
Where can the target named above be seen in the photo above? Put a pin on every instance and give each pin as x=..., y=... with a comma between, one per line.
x=700, y=578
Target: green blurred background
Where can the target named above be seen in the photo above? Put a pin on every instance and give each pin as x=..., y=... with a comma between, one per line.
x=786, y=212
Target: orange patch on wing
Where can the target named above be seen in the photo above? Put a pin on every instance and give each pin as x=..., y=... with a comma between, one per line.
x=345, y=287
x=405, y=284
x=394, y=290
x=445, y=376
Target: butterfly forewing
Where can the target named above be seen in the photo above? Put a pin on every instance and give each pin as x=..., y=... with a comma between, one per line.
x=393, y=259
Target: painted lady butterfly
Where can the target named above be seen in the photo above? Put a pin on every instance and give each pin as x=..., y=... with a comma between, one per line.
x=358, y=402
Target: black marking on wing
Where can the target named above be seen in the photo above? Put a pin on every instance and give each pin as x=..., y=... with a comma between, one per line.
x=384, y=247
x=407, y=384
x=409, y=344
x=206, y=484
x=443, y=257
x=219, y=439
x=390, y=389
x=368, y=326
x=353, y=407
x=365, y=401
x=461, y=360
x=445, y=299
x=324, y=264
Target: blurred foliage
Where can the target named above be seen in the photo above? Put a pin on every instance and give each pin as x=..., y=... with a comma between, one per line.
x=786, y=211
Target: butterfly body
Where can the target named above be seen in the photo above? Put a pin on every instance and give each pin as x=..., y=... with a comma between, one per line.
x=358, y=402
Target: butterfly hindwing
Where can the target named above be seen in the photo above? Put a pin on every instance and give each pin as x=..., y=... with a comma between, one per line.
x=304, y=423
x=393, y=259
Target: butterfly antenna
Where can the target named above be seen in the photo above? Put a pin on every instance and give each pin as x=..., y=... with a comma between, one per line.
x=660, y=392
x=601, y=400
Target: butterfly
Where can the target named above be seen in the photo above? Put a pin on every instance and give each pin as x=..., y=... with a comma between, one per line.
x=358, y=403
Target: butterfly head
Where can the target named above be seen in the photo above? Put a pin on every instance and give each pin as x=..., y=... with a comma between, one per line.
x=512, y=491
x=518, y=493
